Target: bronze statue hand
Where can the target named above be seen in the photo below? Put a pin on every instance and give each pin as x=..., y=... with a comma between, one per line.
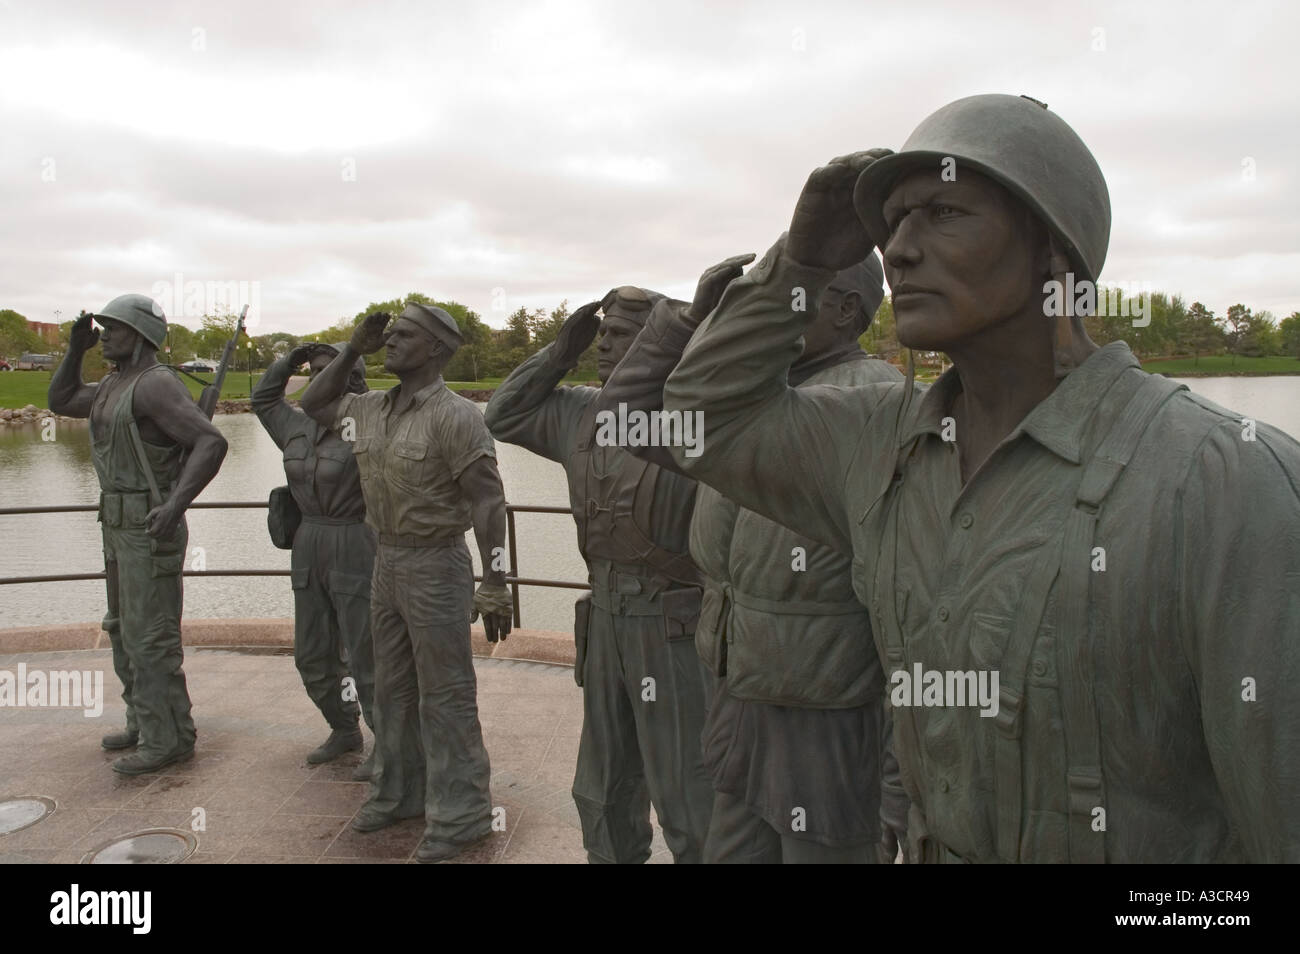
x=576, y=335
x=497, y=607
x=825, y=231
x=84, y=334
x=300, y=355
x=371, y=334
x=162, y=521
x=713, y=283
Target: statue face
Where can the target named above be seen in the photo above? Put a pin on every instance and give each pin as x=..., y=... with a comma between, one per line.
x=118, y=340
x=408, y=346
x=616, y=336
x=960, y=258
x=827, y=330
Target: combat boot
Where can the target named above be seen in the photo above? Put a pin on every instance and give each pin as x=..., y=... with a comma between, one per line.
x=127, y=739
x=340, y=741
x=365, y=769
x=431, y=850
x=145, y=764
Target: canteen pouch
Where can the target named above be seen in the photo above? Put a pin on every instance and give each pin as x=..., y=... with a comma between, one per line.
x=711, y=632
x=581, y=620
x=282, y=518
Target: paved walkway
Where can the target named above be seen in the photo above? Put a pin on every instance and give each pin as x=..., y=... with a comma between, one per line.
x=261, y=802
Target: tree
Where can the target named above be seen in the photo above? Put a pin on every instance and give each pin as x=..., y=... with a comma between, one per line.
x=15, y=337
x=1202, y=332
x=1235, y=325
x=881, y=338
x=1289, y=333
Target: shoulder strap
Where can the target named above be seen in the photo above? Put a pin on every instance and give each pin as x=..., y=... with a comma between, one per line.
x=137, y=444
x=1140, y=395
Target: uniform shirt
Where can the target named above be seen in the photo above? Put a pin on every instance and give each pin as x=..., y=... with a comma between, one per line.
x=531, y=410
x=1196, y=613
x=410, y=462
x=318, y=464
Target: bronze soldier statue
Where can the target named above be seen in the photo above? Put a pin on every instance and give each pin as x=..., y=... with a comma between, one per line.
x=428, y=473
x=644, y=690
x=154, y=452
x=333, y=556
x=795, y=736
x=1119, y=554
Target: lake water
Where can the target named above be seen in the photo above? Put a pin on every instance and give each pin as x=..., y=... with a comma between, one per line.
x=35, y=473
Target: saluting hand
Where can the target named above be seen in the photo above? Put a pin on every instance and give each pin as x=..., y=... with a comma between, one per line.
x=576, y=335
x=714, y=281
x=825, y=231
x=371, y=334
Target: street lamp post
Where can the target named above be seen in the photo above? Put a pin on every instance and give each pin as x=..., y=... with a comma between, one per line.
x=250, y=368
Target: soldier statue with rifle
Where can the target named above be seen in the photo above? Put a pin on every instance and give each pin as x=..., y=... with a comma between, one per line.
x=154, y=451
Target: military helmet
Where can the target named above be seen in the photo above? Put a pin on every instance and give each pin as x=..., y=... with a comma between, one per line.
x=1018, y=143
x=140, y=313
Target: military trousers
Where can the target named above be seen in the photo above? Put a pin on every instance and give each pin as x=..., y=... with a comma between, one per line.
x=144, y=627
x=643, y=705
x=429, y=753
x=738, y=835
x=332, y=566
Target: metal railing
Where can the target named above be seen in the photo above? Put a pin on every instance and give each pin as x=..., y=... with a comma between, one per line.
x=513, y=581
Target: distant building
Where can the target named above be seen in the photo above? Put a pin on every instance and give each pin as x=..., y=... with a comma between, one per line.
x=49, y=332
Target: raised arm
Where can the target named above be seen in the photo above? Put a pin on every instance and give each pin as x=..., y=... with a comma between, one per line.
x=530, y=409
x=782, y=452
x=268, y=400
x=1239, y=548
x=164, y=402
x=321, y=399
x=638, y=381
x=68, y=394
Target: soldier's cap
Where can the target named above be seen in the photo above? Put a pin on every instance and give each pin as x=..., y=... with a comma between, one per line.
x=436, y=322
x=630, y=302
x=140, y=313
x=867, y=279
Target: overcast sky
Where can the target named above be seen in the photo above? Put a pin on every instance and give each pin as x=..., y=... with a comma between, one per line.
x=518, y=154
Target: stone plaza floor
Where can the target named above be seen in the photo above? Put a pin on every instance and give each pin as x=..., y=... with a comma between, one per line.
x=260, y=801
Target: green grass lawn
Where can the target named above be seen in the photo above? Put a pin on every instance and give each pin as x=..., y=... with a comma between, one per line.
x=20, y=388
x=1217, y=364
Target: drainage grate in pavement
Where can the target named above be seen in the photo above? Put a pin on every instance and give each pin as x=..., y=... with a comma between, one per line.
x=154, y=846
x=23, y=811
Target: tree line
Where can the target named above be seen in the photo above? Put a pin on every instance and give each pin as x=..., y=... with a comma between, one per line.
x=1174, y=329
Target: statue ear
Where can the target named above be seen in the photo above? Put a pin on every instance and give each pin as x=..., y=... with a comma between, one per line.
x=850, y=308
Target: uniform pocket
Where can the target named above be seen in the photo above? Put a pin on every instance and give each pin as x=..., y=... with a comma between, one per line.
x=167, y=564
x=361, y=451
x=300, y=577
x=711, y=633
x=988, y=641
x=681, y=612
x=348, y=584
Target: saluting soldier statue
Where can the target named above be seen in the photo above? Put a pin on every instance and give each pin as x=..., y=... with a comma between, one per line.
x=154, y=451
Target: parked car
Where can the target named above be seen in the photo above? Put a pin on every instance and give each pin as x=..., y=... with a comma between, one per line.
x=37, y=362
x=197, y=366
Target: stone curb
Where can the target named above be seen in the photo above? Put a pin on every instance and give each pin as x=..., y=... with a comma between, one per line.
x=531, y=645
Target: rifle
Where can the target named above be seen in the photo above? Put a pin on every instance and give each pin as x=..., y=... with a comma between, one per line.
x=211, y=392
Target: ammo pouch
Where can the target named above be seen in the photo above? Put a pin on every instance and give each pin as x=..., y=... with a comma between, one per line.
x=711, y=632
x=681, y=612
x=581, y=620
x=282, y=518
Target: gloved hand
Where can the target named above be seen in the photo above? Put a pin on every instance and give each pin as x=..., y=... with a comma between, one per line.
x=497, y=607
x=84, y=334
x=712, y=284
x=576, y=335
x=370, y=335
x=301, y=355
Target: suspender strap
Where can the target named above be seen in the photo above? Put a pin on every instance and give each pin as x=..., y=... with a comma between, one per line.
x=1140, y=396
x=142, y=458
x=1079, y=653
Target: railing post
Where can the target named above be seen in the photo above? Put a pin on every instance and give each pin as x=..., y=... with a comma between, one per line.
x=514, y=564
